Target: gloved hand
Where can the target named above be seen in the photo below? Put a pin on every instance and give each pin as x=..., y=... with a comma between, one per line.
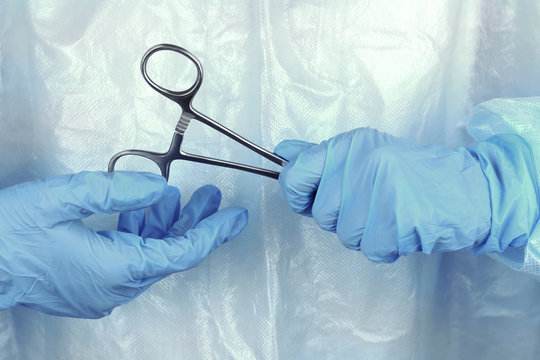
x=50, y=261
x=388, y=196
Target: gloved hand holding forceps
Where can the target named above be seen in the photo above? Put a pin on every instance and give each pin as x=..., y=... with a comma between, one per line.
x=388, y=197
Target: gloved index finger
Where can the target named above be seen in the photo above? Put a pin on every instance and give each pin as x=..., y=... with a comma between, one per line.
x=71, y=197
x=203, y=203
x=163, y=214
x=156, y=258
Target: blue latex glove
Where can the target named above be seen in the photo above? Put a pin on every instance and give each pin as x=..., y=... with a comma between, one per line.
x=50, y=261
x=388, y=196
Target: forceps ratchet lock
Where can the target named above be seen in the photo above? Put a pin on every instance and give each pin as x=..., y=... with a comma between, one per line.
x=184, y=99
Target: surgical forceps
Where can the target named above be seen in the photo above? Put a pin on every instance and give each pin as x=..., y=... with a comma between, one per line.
x=184, y=99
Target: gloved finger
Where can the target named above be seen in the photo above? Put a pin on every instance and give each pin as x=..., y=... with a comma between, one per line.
x=163, y=214
x=327, y=202
x=326, y=205
x=289, y=149
x=203, y=203
x=132, y=221
x=300, y=178
x=77, y=196
x=172, y=254
x=366, y=220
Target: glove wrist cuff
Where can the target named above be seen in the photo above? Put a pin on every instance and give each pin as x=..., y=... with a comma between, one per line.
x=508, y=164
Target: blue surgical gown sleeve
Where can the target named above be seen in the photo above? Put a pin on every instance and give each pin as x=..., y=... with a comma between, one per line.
x=519, y=116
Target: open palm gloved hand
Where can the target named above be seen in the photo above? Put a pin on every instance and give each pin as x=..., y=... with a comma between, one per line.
x=388, y=197
x=52, y=262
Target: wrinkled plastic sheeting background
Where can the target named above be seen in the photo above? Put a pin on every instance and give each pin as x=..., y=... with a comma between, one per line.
x=71, y=95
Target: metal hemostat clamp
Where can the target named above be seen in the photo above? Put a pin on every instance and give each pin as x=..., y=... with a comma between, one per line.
x=184, y=99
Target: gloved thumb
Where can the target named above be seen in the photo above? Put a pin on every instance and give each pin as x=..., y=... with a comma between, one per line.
x=289, y=149
x=300, y=178
x=77, y=196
